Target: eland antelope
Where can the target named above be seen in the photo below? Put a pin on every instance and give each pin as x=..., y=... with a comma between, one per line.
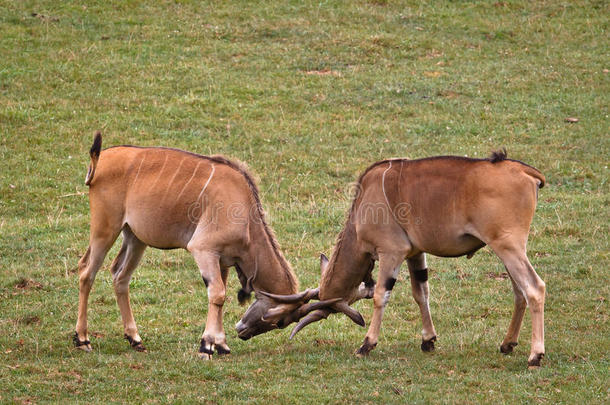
x=445, y=206
x=168, y=198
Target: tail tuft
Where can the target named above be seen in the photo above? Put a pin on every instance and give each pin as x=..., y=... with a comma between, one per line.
x=535, y=173
x=94, y=152
x=498, y=156
x=97, y=145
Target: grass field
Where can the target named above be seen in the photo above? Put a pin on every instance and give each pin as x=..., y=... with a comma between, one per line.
x=308, y=94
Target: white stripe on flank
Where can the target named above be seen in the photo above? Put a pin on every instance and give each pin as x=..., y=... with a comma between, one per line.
x=139, y=167
x=160, y=171
x=169, y=185
x=177, y=170
x=207, y=182
x=383, y=186
x=187, y=183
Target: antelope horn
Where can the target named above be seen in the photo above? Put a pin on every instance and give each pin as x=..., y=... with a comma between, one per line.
x=354, y=315
x=301, y=311
x=307, y=308
x=310, y=318
x=293, y=298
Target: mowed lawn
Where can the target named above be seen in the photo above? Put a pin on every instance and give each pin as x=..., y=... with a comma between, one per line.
x=308, y=94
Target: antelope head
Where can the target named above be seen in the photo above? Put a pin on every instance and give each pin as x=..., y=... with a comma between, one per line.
x=271, y=311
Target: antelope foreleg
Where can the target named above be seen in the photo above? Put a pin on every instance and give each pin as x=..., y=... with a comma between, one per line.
x=389, y=265
x=215, y=279
x=420, y=289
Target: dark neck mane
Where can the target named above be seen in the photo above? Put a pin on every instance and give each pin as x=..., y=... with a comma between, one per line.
x=348, y=233
x=269, y=235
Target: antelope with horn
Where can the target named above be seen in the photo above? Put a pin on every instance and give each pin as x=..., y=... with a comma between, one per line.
x=168, y=198
x=445, y=206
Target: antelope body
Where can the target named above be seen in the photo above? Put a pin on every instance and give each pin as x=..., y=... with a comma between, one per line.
x=167, y=198
x=445, y=206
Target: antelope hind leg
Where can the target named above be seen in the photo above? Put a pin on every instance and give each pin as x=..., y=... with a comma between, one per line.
x=512, y=335
x=122, y=269
x=88, y=267
x=533, y=289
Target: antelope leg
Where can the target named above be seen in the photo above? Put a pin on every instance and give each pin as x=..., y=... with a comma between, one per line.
x=389, y=265
x=122, y=268
x=512, y=254
x=421, y=292
x=88, y=266
x=512, y=335
x=215, y=279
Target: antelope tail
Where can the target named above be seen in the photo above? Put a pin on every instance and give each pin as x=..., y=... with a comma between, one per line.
x=535, y=173
x=94, y=152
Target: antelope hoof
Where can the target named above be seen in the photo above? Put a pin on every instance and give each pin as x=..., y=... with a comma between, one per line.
x=428, y=345
x=204, y=356
x=135, y=344
x=206, y=349
x=365, y=349
x=222, y=350
x=534, y=363
x=507, y=348
x=85, y=348
x=139, y=348
x=84, y=345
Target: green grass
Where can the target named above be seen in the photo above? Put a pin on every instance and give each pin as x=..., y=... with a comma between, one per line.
x=402, y=79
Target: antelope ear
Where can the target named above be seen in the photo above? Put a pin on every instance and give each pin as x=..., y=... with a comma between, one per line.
x=323, y=262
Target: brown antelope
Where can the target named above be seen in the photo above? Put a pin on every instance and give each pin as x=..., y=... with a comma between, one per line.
x=168, y=198
x=444, y=206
